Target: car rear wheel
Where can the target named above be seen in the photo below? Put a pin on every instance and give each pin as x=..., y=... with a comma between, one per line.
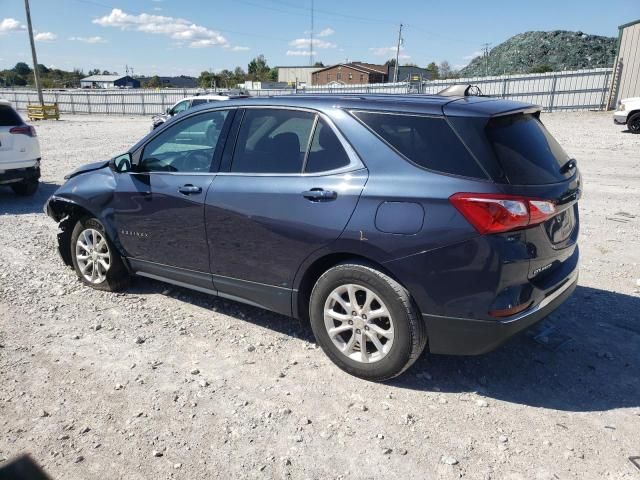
x=26, y=187
x=366, y=322
x=95, y=259
x=633, y=124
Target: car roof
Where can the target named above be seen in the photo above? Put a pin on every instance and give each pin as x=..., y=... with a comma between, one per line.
x=406, y=103
x=4, y=102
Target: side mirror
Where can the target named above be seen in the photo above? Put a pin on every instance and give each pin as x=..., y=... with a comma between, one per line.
x=121, y=163
x=168, y=110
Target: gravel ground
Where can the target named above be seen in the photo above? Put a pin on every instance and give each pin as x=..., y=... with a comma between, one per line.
x=161, y=382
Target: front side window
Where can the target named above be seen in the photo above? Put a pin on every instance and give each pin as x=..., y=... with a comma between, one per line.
x=326, y=152
x=428, y=142
x=187, y=146
x=272, y=141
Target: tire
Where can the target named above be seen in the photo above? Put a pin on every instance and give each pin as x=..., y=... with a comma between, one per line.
x=401, y=333
x=26, y=187
x=102, y=268
x=633, y=124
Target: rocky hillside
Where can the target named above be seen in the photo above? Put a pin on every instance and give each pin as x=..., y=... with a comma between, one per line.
x=532, y=52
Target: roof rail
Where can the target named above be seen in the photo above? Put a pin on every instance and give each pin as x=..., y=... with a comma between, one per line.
x=461, y=91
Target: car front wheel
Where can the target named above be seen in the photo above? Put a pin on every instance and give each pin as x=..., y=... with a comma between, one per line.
x=95, y=260
x=633, y=124
x=366, y=322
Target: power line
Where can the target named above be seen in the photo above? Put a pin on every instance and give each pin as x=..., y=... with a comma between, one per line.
x=311, y=38
x=395, y=70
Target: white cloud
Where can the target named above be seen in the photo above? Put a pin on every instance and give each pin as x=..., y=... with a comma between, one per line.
x=95, y=39
x=239, y=48
x=45, y=37
x=298, y=53
x=389, y=52
x=305, y=42
x=10, y=25
x=326, y=32
x=178, y=29
x=473, y=55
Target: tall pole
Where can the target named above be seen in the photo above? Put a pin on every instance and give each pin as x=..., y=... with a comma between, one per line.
x=311, y=38
x=395, y=71
x=36, y=75
x=485, y=48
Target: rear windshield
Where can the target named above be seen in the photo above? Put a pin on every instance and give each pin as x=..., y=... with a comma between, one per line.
x=428, y=142
x=9, y=117
x=527, y=152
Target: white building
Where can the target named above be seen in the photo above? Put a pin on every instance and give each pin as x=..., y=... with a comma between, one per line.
x=301, y=75
x=109, y=81
x=626, y=69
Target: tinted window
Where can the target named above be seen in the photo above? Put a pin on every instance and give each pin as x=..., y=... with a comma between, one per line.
x=272, y=141
x=527, y=152
x=187, y=146
x=198, y=101
x=9, y=117
x=326, y=151
x=426, y=141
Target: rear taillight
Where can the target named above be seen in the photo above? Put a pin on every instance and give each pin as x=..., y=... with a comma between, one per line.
x=24, y=130
x=492, y=213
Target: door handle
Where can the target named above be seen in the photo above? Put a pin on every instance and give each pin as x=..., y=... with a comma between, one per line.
x=319, y=194
x=189, y=189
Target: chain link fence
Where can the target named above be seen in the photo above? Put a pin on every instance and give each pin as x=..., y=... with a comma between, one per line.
x=570, y=90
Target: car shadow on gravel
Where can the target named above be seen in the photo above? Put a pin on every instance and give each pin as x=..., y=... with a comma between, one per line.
x=584, y=357
x=13, y=204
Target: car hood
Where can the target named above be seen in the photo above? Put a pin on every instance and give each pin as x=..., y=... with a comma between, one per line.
x=89, y=167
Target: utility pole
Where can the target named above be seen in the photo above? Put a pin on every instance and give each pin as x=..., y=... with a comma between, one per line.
x=485, y=49
x=395, y=70
x=36, y=75
x=311, y=38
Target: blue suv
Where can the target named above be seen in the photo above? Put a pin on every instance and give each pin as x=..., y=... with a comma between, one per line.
x=390, y=223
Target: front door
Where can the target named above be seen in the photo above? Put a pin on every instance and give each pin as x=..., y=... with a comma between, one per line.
x=159, y=206
x=277, y=204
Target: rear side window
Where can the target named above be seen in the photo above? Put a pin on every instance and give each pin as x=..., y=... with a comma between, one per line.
x=198, y=101
x=9, y=117
x=272, y=141
x=326, y=151
x=428, y=142
x=529, y=155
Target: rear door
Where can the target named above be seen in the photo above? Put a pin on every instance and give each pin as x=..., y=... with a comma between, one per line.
x=289, y=188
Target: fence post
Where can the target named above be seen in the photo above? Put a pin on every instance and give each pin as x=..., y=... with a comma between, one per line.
x=605, y=86
x=122, y=100
x=553, y=92
x=142, y=101
x=505, y=90
x=73, y=105
x=88, y=103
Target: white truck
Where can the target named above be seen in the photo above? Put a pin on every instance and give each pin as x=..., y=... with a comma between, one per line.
x=19, y=152
x=628, y=113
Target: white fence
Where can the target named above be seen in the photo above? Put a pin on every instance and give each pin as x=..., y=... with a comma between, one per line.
x=572, y=90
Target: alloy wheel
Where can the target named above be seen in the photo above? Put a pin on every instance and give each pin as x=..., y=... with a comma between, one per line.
x=93, y=255
x=358, y=323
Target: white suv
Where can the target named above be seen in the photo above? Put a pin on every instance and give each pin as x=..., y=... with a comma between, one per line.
x=628, y=113
x=19, y=152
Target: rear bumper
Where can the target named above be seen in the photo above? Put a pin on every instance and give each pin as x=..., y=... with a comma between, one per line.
x=18, y=174
x=462, y=336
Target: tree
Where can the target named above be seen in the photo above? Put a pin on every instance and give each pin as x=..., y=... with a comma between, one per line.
x=239, y=76
x=319, y=64
x=22, y=69
x=153, y=82
x=95, y=71
x=541, y=69
x=391, y=63
x=432, y=68
x=258, y=69
x=444, y=69
x=12, y=79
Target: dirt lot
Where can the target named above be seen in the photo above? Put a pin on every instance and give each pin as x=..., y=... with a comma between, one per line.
x=98, y=385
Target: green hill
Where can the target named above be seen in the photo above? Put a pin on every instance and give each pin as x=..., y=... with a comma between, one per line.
x=532, y=52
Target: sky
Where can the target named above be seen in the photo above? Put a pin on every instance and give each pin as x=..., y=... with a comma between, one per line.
x=186, y=37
